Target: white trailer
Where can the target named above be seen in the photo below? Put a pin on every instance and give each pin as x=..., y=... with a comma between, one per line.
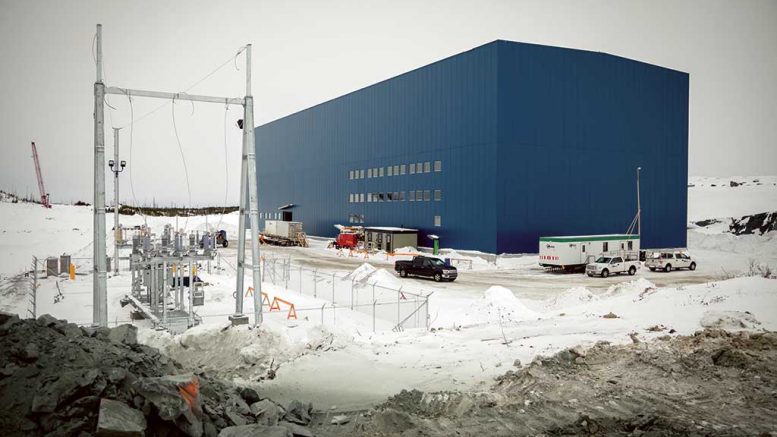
x=282, y=233
x=574, y=252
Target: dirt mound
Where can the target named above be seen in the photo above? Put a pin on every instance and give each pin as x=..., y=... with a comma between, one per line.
x=712, y=383
x=58, y=379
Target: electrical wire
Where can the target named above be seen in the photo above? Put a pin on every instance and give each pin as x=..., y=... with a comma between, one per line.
x=231, y=59
x=185, y=168
x=131, y=166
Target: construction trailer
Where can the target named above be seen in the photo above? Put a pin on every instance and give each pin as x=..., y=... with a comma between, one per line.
x=389, y=239
x=574, y=252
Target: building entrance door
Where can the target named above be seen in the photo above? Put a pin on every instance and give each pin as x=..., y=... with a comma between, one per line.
x=287, y=216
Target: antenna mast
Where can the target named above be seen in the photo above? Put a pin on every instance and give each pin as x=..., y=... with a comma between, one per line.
x=44, y=197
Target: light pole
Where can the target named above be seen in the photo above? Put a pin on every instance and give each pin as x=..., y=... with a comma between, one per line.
x=116, y=167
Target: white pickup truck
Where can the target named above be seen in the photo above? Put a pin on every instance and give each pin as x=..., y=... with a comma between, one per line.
x=605, y=265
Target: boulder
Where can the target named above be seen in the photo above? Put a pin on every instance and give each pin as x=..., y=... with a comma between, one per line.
x=255, y=430
x=298, y=412
x=63, y=388
x=249, y=395
x=49, y=320
x=117, y=419
x=297, y=430
x=126, y=334
x=266, y=412
x=176, y=399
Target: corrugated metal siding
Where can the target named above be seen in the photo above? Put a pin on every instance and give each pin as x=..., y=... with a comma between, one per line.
x=573, y=127
x=445, y=111
x=533, y=140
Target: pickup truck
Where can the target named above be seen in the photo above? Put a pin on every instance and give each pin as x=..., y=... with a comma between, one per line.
x=604, y=266
x=427, y=267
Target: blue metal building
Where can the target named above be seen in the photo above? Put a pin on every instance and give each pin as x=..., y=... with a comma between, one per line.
x=490, y=149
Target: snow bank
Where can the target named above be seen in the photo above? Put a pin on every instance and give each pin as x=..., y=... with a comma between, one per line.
x=361, y=273
x=498, y=304
x=638, y=287
x=384, y=278
x=570, y=298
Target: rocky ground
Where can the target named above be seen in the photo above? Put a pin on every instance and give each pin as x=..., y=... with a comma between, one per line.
x=711, y=383
x=58, y=379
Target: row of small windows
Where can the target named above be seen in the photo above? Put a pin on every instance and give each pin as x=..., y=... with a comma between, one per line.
x=396, y=170
x=359, y=218
x=396, y=196
x=269, y=215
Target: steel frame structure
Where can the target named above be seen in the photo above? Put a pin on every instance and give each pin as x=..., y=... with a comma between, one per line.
x=248, y=188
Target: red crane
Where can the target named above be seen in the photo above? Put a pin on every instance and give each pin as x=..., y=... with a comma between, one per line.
x=44, y=197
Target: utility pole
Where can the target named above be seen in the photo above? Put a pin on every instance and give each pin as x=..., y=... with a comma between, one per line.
x=117, y=167
x=99, y=286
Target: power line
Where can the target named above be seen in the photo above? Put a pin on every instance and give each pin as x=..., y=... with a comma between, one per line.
x=185, y=168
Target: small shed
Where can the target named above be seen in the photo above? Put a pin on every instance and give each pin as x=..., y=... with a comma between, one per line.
x=390, y=239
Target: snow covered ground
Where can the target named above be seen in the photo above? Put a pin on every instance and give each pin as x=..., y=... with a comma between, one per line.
x=502, y=309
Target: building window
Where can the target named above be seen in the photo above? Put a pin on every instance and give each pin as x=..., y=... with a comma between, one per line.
x=361, y=174
x=396, y=170
x=437, y=195
x=369, y=172
x=361, y=197
x=412, y=196
x=437, y=166
x=412, y=168
x=396, y=196
x=350, y=174
x=427, y=195
x=380, y=197
x=369, y=197
x=419, y=168
x=427, y=167
x=419, y=195
x=381, y=172
x=437, y=221
x=402, y=169
x=389, y=197
x=389, y=171
x=350, y=198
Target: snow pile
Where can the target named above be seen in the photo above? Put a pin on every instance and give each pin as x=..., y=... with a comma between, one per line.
x=573, y=297
x=384, y=278
x=477, y=262
x=498, y=304
x=407, y=249
x=361, y=273
x=730, y=320
x=640, y=287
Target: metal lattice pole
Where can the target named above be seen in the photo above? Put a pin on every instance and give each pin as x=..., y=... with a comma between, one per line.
x=100, y=279
x=34, y=300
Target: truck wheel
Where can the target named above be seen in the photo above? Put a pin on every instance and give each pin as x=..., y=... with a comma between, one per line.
x=692, y=266
x=437, y=277
x=652, y=269
x=668, y=268
x=403, y=273
x=225, y=243
x=605, y=273
x=632, y=270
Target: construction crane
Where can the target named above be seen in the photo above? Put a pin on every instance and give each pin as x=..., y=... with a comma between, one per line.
x=44, y=197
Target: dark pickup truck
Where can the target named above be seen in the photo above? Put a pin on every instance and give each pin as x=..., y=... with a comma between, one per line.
x=426, y=267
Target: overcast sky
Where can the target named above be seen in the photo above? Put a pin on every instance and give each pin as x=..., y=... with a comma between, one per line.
x=306, y=52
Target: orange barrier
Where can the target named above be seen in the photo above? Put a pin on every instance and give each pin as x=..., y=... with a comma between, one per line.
x=399, y=254
x=275, y=306
x=265, y=297
x=72, y=272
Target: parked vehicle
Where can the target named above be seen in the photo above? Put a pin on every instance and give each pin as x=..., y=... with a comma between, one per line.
x=283, y=233
x=668, y=260
x=347, y=241
x=605, y=266
x=574, y=252
x=427, y=267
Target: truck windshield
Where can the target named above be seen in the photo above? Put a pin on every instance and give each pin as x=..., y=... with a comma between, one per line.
x=603, y=260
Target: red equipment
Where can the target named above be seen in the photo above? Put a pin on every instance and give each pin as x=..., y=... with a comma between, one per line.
x=347, y=241
x=44, y=197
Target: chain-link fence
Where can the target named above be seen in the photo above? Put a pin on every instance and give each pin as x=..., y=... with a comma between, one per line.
x=400, y=309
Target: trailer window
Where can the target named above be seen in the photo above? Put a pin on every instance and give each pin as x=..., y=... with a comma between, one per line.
x=605, y=247
x=631, y=245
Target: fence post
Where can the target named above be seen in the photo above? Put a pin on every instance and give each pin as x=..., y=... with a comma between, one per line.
x=333, y=287
x=351, y=293
x=315, y=282
x=322, y=314
x=300, y=278
x=34, y=288
x=374, y=303
x=285, y=275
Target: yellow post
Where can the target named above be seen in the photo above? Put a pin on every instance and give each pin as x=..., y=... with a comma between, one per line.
x=72, y=272
x=194, y=270
x=175, y=268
